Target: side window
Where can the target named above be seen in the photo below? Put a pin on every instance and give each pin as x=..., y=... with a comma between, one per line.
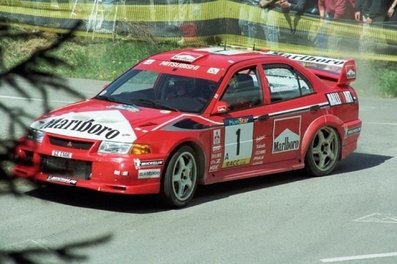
x=244, y=90
x=285, y=83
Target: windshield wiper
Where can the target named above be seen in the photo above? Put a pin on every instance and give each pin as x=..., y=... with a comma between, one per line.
x=108, y=98
x=155, y=104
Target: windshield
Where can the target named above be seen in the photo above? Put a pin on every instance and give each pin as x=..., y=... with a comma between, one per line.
x=160, y=90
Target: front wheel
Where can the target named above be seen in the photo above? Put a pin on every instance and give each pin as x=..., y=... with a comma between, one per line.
x=180, y=178
x=323, y=152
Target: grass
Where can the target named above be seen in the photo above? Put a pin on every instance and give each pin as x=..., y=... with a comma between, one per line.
x=100, y=59
x=387, y=79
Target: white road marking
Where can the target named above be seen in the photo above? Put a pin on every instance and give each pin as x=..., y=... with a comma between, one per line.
x=377, y=218
x=381, y=123
x=32, y=99
x=359, y=257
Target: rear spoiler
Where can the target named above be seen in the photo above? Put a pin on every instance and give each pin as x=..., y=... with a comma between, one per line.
x=342, y=71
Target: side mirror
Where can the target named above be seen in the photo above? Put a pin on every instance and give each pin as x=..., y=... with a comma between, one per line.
x=221, y=107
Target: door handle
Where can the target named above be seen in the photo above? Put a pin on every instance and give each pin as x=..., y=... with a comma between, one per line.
x=314, y=108
x=263, y=117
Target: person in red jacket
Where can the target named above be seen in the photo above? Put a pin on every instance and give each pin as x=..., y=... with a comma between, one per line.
x=328, y=37
x=336, y=9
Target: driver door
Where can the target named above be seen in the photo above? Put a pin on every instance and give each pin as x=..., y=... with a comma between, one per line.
x=242, y=141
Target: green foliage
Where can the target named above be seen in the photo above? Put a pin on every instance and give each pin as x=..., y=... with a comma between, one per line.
x=100, y=59
x=387, y=79
x=105, y=59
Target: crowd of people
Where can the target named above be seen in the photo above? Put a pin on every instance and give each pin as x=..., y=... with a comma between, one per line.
x=258, y=19
x=367, y=13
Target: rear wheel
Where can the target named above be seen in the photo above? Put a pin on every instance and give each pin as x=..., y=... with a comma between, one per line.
x=180, y=178
x=323, y=152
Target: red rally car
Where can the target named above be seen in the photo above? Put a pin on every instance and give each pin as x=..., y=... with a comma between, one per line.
x=199, y=116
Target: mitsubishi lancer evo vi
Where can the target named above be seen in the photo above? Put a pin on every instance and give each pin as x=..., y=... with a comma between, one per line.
x=199, y=116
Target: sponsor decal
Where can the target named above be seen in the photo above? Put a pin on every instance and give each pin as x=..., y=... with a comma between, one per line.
x=259, y=139
x=260, y=152
x=308, y=58
x=261, y=146
x=216, y=148
x=216, y=137
x=130, y=108
x=180, y=65
x=334, y=99
x=233, y=163
x=238, y=121
x=187, y=57
x=148, y=62
x=238, y=141
x=99, y=125
x=61, y=179
x=147, y=163
x=286, y=134
x=151, y=163
x=214, y=168
x=62, y=154
x=216, y=155
x=148, y=173
x=352, y=131
x=222, y=109
x=213, y=70
x=216, y=161
x=350, y=72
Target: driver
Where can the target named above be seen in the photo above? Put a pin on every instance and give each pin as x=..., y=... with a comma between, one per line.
x=179, y=90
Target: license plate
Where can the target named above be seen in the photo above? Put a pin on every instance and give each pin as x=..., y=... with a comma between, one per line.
x=62, y=154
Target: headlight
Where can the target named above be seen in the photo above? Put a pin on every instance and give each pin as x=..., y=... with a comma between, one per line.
x=109, y=147
x=36, y=135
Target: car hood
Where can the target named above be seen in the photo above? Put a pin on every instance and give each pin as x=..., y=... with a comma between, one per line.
x=101, y=120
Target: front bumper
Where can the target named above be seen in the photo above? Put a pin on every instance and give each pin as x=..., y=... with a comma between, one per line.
x=123, y=174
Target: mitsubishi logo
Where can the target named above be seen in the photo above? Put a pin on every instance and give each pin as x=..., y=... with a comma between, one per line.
x=69, y=144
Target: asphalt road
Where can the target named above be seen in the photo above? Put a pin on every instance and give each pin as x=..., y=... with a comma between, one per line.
x=347, y=217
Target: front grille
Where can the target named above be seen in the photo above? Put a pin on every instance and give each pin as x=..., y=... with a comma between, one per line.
x=65, y=167
x=67, y=143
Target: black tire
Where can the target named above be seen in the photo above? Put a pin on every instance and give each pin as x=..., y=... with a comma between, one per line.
x=180, y=178
x=323, y=152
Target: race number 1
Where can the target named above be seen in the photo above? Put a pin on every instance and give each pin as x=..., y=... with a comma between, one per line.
x=238, y=141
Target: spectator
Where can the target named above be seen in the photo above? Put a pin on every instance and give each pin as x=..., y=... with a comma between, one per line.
x=249, y=13
x=336, y=9
x=99, y=11
x=332, y=10
x=300, y=7
x=247, y=18
x=391, y=12
x=269, y=22
x=370, y=12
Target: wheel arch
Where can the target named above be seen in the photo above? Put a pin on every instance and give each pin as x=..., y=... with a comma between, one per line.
x=327, y=120
x=198, y=150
